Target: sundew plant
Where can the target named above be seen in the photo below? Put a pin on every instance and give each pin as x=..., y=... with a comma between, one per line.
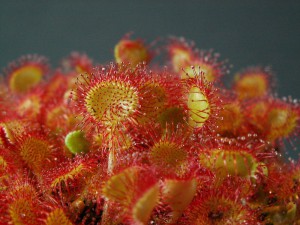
x=154, y=137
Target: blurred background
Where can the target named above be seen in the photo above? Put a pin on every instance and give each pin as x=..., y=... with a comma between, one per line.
x=244, y=32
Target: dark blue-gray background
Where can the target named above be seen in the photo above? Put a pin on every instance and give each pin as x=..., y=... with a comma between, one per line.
x=247, y=33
